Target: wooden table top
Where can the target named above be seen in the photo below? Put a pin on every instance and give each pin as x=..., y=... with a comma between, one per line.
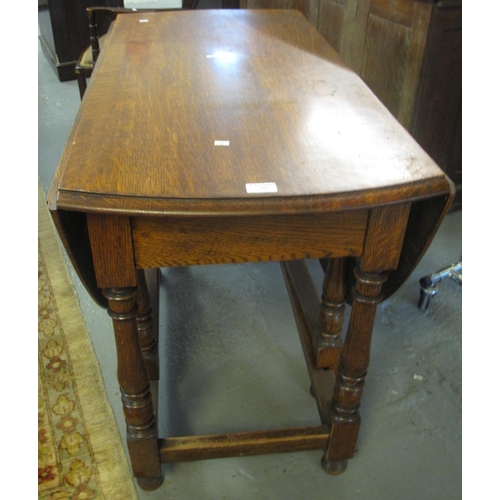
x=213, y=110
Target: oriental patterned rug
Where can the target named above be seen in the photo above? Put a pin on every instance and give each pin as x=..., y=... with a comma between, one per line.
x=80, y=453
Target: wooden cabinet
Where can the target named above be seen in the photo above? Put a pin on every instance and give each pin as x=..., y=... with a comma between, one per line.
x=64, y=32
x=386, y=49
x=437, y=116
x=409, y=52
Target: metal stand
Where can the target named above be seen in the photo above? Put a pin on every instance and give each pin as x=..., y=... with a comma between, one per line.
x=429, y=283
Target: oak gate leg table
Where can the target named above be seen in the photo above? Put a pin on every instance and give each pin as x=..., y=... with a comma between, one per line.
x=228, y=136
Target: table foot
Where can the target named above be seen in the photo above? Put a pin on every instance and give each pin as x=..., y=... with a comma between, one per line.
x=149, y=483
x=334, y=467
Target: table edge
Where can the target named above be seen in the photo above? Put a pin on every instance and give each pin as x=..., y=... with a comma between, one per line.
x=263, y=205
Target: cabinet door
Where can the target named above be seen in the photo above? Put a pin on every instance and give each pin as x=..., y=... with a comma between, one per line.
x=264, y=4
x=388, y=48
x=308, y=7
x=334, y=19
x=437, y=124
x=335, y=22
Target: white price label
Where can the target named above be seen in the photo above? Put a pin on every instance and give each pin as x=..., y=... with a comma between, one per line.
x=261, y=187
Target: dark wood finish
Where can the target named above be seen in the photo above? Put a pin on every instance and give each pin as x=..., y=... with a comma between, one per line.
x=99, y=21
x=64, y=32
x=424, y=220
x=305, y=304
x=385, y=253
x=437, y=119
x=388, y=49
x=258, y=151
x=95, y=203
x=72, y=228
x=185, y=449
x=328, y=342
x=143, y=166
x=134, y=384
x=409, y=53
x=335, y=20
x=227, y=240
x=115, y=265
x=146, y=327
x=384, y=239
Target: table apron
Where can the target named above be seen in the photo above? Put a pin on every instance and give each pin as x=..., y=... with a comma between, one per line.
x=173, y=241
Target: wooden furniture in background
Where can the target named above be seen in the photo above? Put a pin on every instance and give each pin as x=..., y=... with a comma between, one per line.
x=409, y=52
x=228, y=136
x=64, y=32
x=100, y=19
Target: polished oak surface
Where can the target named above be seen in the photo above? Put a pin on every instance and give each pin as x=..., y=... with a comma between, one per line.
x=409, y=52
x=208, y=137
x=169, y=86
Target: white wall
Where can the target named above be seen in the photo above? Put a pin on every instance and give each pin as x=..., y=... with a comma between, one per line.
x=153, y=4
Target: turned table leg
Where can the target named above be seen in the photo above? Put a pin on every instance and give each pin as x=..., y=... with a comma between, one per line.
x=113, y=256
x=134, y=384
x=331, y=315
x=352, y=370
x=382, y=250
x=145, y=327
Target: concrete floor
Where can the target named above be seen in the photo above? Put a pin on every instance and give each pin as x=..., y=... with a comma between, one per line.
x=235, y=364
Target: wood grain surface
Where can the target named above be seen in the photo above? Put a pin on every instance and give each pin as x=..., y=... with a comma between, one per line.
x=161, y=242
x=168, y=85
